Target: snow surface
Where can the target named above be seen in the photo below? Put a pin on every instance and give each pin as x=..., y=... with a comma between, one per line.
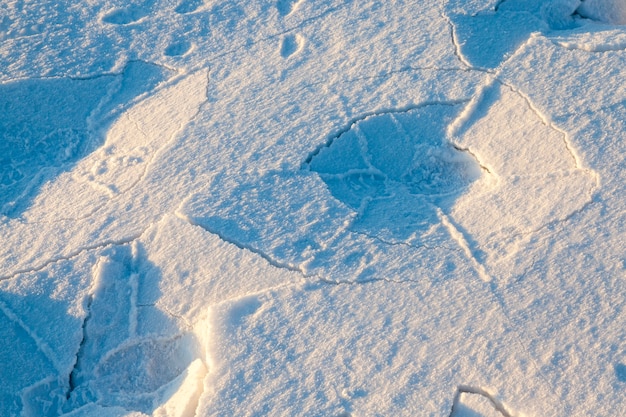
x=320, y=208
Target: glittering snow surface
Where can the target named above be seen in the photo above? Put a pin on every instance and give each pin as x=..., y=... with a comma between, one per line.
x=321, y=208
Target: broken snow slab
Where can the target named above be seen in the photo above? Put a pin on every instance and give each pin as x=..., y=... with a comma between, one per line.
x=582, y=75
x=131, y=144
x=82, y=208
x=535, y=175
x=140, y=350
x=509, y=25
x=567, y=283
x=116, y=365
x=175, y=248
x=284, y=218
x=293, y=222
x=569, y=293
x=337, y=350
x=81, y=326
x=181, y=396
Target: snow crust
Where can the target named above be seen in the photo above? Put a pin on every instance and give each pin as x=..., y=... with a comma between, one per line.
x=321, y=208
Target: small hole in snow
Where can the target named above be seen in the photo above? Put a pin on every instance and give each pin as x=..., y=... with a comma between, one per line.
x=620, y=372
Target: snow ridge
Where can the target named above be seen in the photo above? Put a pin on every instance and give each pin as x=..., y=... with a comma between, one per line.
x=467, y=389
x=240, y=245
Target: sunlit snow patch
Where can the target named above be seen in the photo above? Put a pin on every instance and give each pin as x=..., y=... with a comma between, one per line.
x=541, y=179
x=373, y=359
x=133, y=139
x=592, y=38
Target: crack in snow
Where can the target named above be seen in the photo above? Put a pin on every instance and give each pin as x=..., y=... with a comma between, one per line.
x=469, y=65
x=188, y=326
x=131, y=342
x=556, y=222
x=242, y=246
x=158, y=151
x=75, y=253
x=462, y=242
x=73, y=374
x=548, y=123
x=457, y=46
x=96, y=76
x=22, y=37
x=458, y=126
x=289, y=267
x=96, y=128
x=404, y=244
x=326, y=281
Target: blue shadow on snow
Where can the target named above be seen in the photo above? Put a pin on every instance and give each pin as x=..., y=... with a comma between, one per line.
x=48, y=125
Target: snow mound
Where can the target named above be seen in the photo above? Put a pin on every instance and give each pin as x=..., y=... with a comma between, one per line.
x=559, y=12
x=512, y=23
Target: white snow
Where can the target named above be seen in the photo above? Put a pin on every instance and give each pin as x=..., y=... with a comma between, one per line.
x=320, y=208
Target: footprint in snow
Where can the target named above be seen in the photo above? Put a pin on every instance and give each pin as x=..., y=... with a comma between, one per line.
x=188, y=6
x=290, y=45
x=125, y=16
x=620, y=372
x=178, y=48
x=286, y=7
